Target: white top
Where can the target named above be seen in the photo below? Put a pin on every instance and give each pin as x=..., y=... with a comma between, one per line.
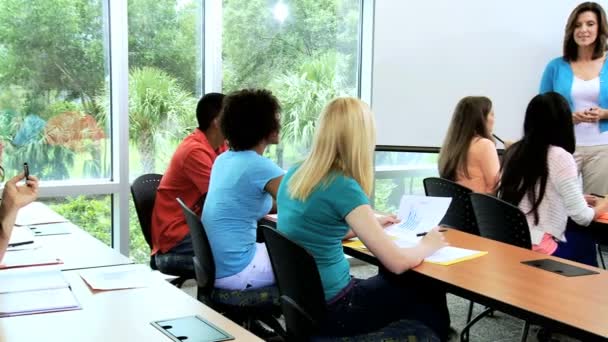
x=585, y=95
x=563, y=198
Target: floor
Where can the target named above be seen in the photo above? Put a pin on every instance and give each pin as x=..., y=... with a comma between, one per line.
x=499, y=328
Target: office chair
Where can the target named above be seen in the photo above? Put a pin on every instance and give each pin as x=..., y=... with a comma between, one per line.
x=303, y=299
x=460, y=212
x=244, y=307
x=504, y=222
x=143, y=191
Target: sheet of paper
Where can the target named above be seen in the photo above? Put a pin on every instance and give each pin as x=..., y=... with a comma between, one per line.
x=34, y=245
x=120, y=277
x=28, y=279
x=21, y=235
x=419, y=214
x=53, y=228
x=37, y=213
x=26, y=258
x=451, y=255
x=29, y=302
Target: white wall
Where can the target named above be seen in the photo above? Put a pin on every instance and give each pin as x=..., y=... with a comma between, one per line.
x=429, y=54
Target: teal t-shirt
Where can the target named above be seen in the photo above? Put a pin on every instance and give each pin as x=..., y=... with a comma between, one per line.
x=236, y=201
x=318, y=224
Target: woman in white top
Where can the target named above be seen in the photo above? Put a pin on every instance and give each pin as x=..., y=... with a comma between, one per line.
x=581, y=76
x=540, y=176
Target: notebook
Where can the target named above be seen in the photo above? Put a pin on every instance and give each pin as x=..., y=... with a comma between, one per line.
x=30, y=291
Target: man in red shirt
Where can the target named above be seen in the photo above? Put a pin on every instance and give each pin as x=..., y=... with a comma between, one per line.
x=187, y=177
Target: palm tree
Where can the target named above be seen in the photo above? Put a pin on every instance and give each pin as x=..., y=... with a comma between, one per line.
x=304, y=94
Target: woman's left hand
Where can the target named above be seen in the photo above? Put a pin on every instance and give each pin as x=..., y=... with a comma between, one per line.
x=388, y=220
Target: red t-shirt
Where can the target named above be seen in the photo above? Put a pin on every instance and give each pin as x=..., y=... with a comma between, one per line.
x=187, y=177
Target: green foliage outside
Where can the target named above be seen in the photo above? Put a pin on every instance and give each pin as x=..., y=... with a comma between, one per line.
x=54, y=60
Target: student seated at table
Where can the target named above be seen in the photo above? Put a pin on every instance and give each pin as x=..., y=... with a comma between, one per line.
x=187, y=177
x=468, y=155
x=324, y=200
x=540, y=176
x=14, y=197
x=242, y=190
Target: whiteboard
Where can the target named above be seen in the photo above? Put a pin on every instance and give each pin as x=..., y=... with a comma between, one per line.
x=427, y=55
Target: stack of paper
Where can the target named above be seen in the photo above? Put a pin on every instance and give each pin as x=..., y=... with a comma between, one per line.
x=37, y=213
x=28, y=291
x=120, y=277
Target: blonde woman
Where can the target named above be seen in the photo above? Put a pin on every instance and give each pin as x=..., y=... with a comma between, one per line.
x=324, y=200
x=468, y=155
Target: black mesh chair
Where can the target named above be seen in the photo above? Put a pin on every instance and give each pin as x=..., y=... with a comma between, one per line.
x=460, y=212
x=303, y=299
x=143, y=191
x=504, y=222
x=244, y=307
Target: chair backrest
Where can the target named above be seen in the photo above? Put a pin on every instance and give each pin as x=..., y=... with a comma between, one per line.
x=460, y=214
x=501, y=221
x=143, y=191
x=204, y=265
x=299, y=283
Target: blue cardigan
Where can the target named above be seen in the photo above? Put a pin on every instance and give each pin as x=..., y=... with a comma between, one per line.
x=558, y=77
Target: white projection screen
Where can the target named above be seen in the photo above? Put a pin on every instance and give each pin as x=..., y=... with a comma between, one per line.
x=429, y=54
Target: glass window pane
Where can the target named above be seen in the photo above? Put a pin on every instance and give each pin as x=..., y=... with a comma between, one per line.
x=54, y=94
x=305, y=51
x=165, y=79
x=401, y=173
x=91, y=213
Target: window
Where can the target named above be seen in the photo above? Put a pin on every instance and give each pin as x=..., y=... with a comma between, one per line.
x=305, y=51
x=399, y=173
x=165, y=79
x=54, y=89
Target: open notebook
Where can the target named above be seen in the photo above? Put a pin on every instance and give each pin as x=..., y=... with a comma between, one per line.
x=30, y=291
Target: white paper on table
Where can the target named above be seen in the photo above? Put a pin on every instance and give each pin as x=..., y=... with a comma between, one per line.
x=36, y=257
x=37, y=213
x=29, y=279
x=34, y=245
x=21, y=235
x=420, y=214
x=450, y=254
x=120, y=277
x=29, y=302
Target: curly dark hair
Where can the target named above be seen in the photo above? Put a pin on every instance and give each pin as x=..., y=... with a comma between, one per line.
x=249, y=116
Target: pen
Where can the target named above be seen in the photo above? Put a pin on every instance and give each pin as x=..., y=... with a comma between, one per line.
x=20, y=243
x=497, y=138
x=596, y=195
x=423, y=234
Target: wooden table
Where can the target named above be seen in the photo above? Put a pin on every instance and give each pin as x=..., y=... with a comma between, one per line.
x=80, y=250
x=119, y=315
x=575, y=305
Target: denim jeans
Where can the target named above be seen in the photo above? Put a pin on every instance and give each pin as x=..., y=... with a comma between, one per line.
x=178, y=260
x=371, y=304
x=580, y=245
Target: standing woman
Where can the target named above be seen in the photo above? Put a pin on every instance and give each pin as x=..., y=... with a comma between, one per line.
x=468, y=155
x=324, y=200
x=581, y=76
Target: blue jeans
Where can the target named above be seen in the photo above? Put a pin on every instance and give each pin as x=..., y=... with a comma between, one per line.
x=178, y=260
x=371, y=304
x=580, y=245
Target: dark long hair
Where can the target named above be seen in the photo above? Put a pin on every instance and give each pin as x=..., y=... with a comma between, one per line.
x=469, y=120
x=548, y=122
x=570, y=46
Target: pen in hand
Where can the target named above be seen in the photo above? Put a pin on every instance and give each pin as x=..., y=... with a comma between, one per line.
x=423, y=234
x=497, y=138
x=596, y=195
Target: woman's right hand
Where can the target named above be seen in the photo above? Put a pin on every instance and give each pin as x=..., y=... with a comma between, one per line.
x=578, y=117
x=14, y=196
x=433, y=241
